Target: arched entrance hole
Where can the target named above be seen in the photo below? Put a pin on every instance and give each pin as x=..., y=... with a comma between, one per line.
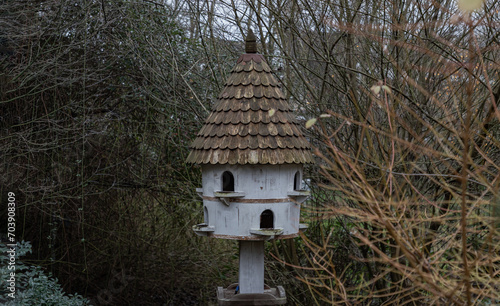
x=227, y=181
x=297, y=181
x=267, y=219
x=205, y=215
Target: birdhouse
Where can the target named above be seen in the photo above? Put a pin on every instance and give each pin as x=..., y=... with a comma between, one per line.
x=251, y=152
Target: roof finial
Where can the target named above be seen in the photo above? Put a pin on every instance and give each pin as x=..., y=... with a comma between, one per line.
x=250, y=42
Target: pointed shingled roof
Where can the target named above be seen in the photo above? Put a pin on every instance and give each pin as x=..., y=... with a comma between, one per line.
x=251, y=122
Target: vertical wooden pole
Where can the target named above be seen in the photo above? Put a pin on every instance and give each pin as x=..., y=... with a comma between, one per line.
x=251, y=278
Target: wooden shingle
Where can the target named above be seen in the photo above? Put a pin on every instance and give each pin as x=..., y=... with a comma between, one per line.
x=251, y=122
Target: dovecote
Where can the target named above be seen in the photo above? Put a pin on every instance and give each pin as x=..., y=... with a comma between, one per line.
x=252, y=152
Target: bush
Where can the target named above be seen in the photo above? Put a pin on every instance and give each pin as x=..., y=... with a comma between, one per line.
x=33, y=286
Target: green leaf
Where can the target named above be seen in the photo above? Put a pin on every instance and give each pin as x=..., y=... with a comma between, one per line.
x=376, y=89
x=310, y=122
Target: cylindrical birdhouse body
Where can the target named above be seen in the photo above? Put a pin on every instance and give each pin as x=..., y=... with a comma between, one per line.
x=251, y=202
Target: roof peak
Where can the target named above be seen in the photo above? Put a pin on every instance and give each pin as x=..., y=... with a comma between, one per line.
x=250, y=42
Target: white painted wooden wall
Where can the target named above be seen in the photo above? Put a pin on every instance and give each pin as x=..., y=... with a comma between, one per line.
x=258, y=182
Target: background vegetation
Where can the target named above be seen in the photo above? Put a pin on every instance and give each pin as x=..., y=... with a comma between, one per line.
x=99, y=101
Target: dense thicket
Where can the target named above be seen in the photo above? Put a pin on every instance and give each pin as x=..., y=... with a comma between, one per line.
x=99, y=101
x=406, y=96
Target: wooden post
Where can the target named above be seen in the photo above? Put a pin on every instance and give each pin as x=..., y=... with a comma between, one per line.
x=251, y=278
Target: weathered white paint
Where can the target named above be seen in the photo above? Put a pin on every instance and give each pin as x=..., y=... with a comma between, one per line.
x=251, y=273
x=238, y=218
x=256, y=183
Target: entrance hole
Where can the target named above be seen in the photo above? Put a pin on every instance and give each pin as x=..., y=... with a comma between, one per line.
x=267, y=219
